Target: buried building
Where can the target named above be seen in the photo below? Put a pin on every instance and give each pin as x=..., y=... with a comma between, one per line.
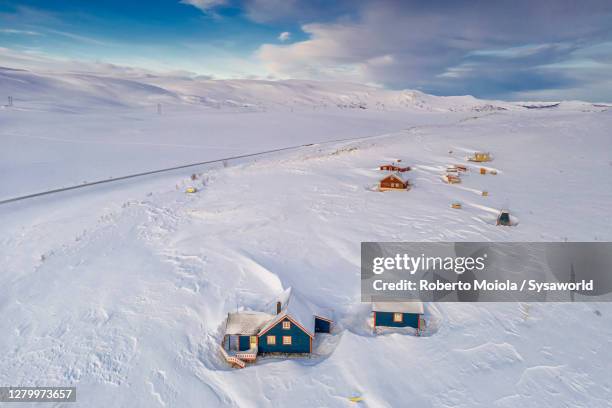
x=398, y=314
x=504, y=218
x=393, y=182
x=242, y=328
x=394, y=168
x=480, y=157
x=291, y=330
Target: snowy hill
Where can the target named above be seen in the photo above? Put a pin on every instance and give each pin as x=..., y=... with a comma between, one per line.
x=122, y=289
x=78, y=91
x=93, y=91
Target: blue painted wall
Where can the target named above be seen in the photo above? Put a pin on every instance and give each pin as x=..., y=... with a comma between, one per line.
x=322, y=326
x=300, y=341
x=386, y=319
x=244, y=343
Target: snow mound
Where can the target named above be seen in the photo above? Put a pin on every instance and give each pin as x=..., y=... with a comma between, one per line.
x=488, y=357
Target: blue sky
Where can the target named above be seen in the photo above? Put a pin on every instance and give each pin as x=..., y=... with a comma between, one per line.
x=549, y=49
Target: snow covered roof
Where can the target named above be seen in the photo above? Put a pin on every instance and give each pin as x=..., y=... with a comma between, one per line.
x=298, y=309
x=396, y=175
x=415, y=307
x=246, y=323
x=396, y=166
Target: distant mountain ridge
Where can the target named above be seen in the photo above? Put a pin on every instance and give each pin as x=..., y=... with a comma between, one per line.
x=94, y=91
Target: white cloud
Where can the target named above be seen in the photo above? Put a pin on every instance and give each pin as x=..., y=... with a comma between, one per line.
x=381, y=60
x=329, y=53
x=284, y=36
x=205, y=5
x=488, y=50
x=522, y=51
x=456, y=72
x=37, y=61
x=19, y=32
x=77, y=37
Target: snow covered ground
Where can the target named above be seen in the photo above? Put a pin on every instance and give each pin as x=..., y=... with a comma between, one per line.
x=122, y=289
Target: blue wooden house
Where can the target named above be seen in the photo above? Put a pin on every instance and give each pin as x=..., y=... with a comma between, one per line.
x=397, y=314
x=291, y=330
x=294, y=326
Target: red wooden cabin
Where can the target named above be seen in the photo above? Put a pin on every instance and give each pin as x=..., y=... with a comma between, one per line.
x=393, y=167
x=394, y=182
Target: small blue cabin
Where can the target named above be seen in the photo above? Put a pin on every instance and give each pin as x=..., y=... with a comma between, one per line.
x=291, y=330
x=397, y=314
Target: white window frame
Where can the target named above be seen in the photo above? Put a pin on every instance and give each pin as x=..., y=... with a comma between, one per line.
x=398, y=317
x=286, y=325
x=271, y=340
x=287, y=340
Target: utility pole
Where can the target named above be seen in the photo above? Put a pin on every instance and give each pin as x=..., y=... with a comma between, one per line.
x=159, y=109
x=10, y=101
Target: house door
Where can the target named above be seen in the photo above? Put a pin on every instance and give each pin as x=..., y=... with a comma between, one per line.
x=253, y=341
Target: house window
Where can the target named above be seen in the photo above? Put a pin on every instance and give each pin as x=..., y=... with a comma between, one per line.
x=286, y=325
x=287, y=340
x=271, y=340
x=398, y=317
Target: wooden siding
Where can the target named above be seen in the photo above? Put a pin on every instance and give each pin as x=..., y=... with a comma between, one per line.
x=393, y=182
x=300, y=340
x=322, y=325
x=386, y=319
x=391, y=167
x=244, y=343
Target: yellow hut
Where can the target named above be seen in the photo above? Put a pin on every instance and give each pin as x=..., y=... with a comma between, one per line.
x=480, y=157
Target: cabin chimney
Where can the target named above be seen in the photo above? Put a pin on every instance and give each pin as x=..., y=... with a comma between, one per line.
x=278, y=307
